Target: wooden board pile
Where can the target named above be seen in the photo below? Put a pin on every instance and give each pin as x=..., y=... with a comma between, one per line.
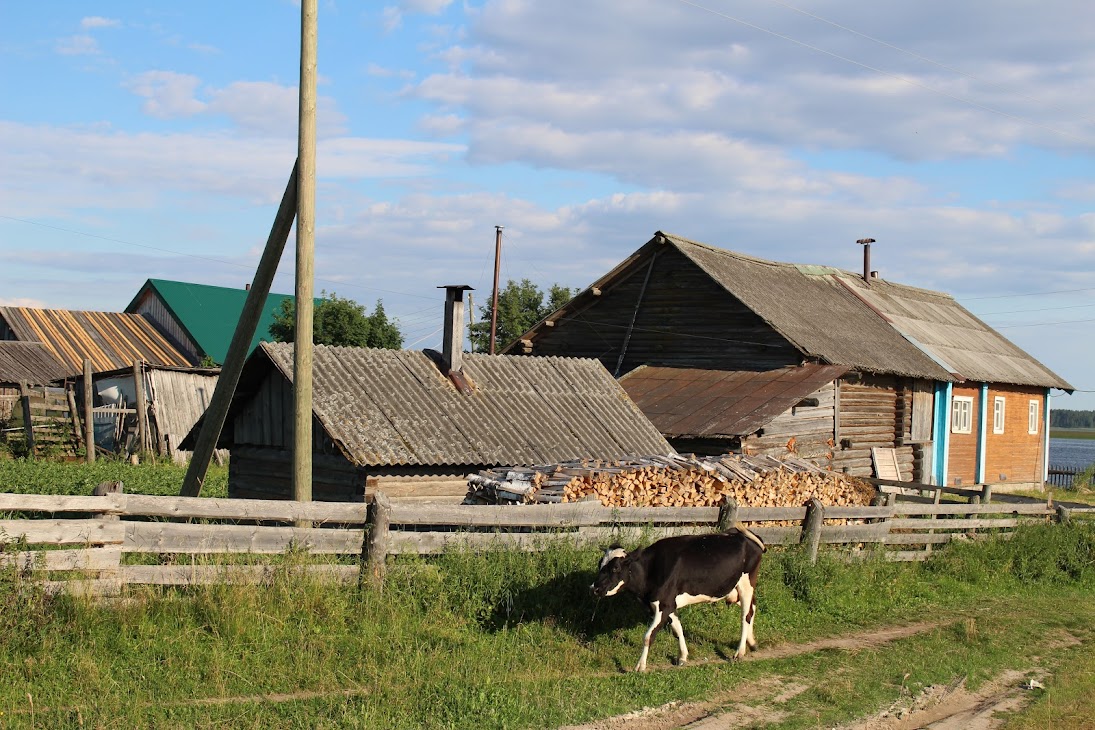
x=671, y=481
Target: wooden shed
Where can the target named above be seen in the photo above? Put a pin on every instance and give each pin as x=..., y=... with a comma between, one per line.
x=904, y=353
x=415, y=415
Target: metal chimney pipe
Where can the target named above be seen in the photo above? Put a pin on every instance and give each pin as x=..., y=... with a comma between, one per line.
x=452, y=350
x=866, y=243
x=494, y=296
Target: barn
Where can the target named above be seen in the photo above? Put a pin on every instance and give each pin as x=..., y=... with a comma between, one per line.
x=407, y=418
x=723, y=334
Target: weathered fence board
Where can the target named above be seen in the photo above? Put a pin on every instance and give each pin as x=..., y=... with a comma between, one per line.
x=105, y=558
x=63, y=532
x=169, y=537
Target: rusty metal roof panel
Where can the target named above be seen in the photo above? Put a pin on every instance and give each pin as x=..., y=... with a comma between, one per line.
x=111, y=340
x=394, y=407
x=29, y=362
x=692, y=402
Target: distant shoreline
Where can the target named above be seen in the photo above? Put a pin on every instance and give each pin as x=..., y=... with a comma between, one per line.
x=1072, y=433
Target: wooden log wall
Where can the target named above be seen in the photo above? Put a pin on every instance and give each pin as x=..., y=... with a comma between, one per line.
x=78, y=543
x=806, y=432
x=874, y=411
x=683, y=318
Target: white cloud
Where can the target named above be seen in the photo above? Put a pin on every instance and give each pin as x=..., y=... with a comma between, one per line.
x=167, y=94
x=78, y=45
x=96, y=21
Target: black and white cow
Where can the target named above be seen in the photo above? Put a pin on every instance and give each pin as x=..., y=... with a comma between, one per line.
x=678, y=571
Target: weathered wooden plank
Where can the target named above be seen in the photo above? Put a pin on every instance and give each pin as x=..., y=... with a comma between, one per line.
x=778, y=535
x=111, y=504
x=104, y=558
x=831, y=534
x=547, y=515
x=90, y=588
x=858, y=513
x=167, y=537
x=427, y=543
x=63, y=532
x=920, y=538
x=997, y=508
x=959, y=524
x=276, y=510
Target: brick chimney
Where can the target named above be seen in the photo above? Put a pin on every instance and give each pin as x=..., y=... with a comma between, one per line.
x=452, y=352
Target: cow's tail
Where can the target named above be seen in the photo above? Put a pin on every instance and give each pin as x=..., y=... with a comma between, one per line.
x=749, y=534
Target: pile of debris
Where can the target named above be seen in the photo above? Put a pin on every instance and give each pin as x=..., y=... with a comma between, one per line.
x=671, y=481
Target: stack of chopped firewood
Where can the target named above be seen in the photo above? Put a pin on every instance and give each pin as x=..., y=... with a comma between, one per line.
x=671, y=481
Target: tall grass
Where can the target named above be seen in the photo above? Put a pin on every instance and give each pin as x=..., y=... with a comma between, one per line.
x=42, y=476
x=488, y=639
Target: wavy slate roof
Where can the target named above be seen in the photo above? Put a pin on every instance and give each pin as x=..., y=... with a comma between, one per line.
x=833, y=316
x=717, y=403
x=28, y=362
x=111, y=340
x=394, y=407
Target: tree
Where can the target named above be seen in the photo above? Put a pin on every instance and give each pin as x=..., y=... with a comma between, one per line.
x=340, y=321
x=520, y=305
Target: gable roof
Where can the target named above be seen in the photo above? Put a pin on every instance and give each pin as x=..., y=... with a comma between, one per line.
x=834, y=317
x=209, y=314
x=701, y=403
x=394, y=407
x=110, y=340
x=29, y=362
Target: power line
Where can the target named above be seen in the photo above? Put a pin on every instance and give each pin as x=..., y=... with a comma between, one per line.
x=898, y=77
x=1042, y=309
x=919, y=57
x=1042, y=324
x=1028, y=294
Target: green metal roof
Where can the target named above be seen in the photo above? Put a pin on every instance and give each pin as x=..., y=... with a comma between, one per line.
x=209, y=314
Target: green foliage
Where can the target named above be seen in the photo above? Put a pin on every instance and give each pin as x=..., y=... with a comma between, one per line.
x=1065, y=418
x=24, y=605
x=340, y=321
x=41, y=476
x=208, y=362
x=520, y=306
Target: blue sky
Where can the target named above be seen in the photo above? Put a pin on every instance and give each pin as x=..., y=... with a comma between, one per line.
x=153, y=140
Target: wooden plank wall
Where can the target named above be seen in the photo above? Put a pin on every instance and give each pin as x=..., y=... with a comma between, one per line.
x=266, y=473
x=684, y=319
x=810, y=426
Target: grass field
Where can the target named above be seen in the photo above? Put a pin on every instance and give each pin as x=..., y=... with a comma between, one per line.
x=511, y=640
x=1072, y=433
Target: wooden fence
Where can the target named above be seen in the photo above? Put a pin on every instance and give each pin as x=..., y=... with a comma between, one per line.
x=98, y=544
x=1063, y=476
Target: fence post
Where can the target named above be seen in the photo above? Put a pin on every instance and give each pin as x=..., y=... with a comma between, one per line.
x=28, y=419
x=811, y=528
x=728, y=513
x=144, y=438
x=986, y=494
x=1064, y=514
x=74, y=415
x=89, y=415
x=376, y=538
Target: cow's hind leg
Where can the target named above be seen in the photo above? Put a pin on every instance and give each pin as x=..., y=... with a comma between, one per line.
x=675, y=624
x=748, y=614
x=660, y=619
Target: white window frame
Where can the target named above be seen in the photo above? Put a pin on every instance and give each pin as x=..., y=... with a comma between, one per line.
x=962, y=414
x=998, y=414
x=1033, y=410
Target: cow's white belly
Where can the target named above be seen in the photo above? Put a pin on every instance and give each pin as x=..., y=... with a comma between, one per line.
x=687, y=599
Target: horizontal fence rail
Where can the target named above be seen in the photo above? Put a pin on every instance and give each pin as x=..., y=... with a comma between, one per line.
x=98, y=544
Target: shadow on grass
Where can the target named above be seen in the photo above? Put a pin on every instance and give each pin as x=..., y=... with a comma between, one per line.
x=566, y=602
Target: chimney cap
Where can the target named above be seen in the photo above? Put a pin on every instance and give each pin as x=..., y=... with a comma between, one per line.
x=458, y=287
x=865, y=240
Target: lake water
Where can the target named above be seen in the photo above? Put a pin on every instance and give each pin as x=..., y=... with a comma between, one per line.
x=1071, y=452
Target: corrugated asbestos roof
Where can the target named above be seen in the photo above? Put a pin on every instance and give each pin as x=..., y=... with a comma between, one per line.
x=109, y=339
x=28, y=362
x=209, y=314
x=833, y=316
x=691, y=402
x=394, y=407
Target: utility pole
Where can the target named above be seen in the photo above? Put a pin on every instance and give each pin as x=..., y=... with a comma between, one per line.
x=305, y=285
x=494, y=296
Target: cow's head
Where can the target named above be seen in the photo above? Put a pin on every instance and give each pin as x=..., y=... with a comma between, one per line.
x=612, y=573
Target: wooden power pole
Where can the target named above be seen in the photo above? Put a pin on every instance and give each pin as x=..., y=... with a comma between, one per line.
x=305, y=284
x=494, y=296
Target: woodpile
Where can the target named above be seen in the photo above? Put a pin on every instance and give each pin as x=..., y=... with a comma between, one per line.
x=671, y=481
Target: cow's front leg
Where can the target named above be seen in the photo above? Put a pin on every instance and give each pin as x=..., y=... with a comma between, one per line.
x=659, y=620
x=675, y=624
